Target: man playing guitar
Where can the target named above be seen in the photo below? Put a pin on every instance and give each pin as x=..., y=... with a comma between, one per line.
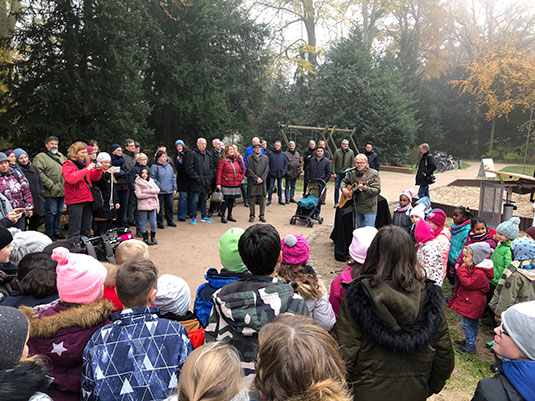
x=365, y=184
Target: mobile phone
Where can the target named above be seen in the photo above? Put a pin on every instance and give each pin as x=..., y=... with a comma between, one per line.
x=18, y=210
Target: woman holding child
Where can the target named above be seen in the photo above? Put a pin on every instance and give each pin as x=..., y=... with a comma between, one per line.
x=391, y=330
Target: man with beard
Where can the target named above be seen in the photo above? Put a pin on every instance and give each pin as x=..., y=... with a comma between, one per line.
x=49, y=163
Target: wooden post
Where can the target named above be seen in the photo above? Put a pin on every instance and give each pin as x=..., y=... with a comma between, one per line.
x=353, y=140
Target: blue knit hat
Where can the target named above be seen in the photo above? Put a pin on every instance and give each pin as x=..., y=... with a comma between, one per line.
x=114, y=147
x=18, y=152
x=523, y=249
x=509, y=228
x=179, y=142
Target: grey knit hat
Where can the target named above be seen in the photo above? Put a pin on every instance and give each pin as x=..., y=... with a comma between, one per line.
x=519, y=321
x=509, y=228
x=480, y=250
x=13, y=331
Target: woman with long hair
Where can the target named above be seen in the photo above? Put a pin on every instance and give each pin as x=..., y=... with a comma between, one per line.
x=299, y=361
x=79, y=176
x=391, y=330
x=230, y=173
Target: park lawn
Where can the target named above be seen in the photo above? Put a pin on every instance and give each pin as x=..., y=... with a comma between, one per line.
x=518, y=170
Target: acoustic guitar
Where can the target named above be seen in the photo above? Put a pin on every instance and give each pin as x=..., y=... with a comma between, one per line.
x=352, y=188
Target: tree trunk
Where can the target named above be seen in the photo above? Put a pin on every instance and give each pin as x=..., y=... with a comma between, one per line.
x=8, y=17
x=492, y=132
x=309, y=20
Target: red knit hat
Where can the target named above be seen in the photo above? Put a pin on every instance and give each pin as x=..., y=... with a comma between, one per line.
x=438, y=217
x=531, y=232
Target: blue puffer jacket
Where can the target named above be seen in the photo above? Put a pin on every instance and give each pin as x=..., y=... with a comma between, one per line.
x=203, y=300
x=458, y=239
x=164, y=176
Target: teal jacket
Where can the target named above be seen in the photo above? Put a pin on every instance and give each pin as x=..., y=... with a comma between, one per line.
x=501, y=257
x=458, y=239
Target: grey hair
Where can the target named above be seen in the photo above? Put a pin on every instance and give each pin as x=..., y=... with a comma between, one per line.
x=425, y=146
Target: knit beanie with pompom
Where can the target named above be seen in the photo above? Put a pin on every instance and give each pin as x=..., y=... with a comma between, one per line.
x=295, y=249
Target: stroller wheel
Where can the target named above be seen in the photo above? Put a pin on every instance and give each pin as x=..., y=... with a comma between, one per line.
x=311, y=224
x=320, y=220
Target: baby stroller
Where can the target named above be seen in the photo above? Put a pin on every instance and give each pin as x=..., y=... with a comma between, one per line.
x=309, y=207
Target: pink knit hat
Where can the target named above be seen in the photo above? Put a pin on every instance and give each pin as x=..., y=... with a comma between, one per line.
x=423, y=233
x=409, y=193
x=362, y=239
x=80, y=278
x=295, y=250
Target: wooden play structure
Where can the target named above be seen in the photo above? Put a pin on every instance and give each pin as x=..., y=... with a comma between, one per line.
x=326, y=133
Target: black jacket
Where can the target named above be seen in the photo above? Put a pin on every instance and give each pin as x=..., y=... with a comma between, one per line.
x=106, y=212
x=307, y=156
x=496, y=388
x=319, y=169
x=22, y=381
x=36, y=188
x=426, y=166
x=200, y=171
x=373, y=159
x=182, y=177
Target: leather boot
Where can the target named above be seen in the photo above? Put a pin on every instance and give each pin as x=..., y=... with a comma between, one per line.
x=146, y=239
x=153, y=239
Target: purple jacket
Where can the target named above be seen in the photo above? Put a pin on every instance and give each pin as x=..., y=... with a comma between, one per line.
x=338, y=292
x=61, y=334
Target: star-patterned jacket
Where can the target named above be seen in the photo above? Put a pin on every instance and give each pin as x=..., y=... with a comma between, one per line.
x=60, y=334
x=137, y=357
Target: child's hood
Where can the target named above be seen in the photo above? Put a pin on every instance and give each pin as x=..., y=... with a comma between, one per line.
x=487, y=266
x=423, y=232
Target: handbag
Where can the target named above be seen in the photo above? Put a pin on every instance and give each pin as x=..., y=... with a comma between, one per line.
x=217, y=196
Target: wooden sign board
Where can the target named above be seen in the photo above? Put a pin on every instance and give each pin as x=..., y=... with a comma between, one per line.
x=486, y=164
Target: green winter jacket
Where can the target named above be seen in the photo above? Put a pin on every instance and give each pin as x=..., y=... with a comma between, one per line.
x=341, y=163
x=51, y=171
x=396, y=344
x=516, y=285
x=366, y=200
x=501, y=258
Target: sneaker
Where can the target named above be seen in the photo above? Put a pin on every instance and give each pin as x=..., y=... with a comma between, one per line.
x=459, y=342
x=282, y=203
x=293, y=201
x=193, y=221
x=206, y=220
x=465, y=349
x=59, y=236
x=269, y=203
x=335, y=205
x=172, y=224
x=246, y=204
x=160, y=225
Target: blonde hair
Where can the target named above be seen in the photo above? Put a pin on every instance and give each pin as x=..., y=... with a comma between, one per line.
x=303, y=282
x=141, y=156
x=112, y=273
x=131, y=249
x=299, y=361
x=212, y=372
x=72, y=152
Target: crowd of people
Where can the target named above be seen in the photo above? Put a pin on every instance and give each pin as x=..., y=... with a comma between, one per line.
x=265, y=326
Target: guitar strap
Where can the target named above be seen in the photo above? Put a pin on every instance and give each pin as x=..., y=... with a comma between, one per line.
x=364, y=176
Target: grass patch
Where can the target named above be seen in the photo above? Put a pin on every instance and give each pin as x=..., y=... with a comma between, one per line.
x=464, y=165
x=518, y=170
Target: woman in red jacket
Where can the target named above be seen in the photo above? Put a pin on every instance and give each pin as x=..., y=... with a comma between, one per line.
x=230, y=173
x=79, y=176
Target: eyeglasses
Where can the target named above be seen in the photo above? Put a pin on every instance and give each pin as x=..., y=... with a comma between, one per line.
x=503, y=331
x=360, y=162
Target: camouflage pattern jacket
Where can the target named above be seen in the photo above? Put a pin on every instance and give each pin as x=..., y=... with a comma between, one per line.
x=241, y=309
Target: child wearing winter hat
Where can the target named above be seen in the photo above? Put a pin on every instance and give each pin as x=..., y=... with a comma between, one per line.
x=517, y=283
x=233, y=270
x=513, y=341
x=530, y=232
x=459, y=231
x=436, y=219
x=501, y=257
x=362, y=239
x=468, y=298
x=21, y=378
x=417, y=214
x=61, y=332
x=429, y=252
x=5, y=245
x=174, y=300
x=140, y=353
x=402, y=212
x=304, y=280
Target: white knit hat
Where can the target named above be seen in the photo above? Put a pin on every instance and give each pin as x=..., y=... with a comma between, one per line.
x=519, y=321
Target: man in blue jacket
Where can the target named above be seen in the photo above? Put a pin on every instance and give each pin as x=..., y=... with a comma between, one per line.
x=278, y=165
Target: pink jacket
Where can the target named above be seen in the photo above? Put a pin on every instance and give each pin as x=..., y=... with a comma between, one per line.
x=444, y=237
x=338, y=291
x=147, y=194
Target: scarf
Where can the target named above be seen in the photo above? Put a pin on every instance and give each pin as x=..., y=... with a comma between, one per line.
x=520, y=373
x=117, y=160
x=403, y=209
x=455, y=229
x=480, y=237
x=291, y=151
x=80, y=164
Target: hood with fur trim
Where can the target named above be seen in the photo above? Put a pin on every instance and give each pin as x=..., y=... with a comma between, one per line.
x=44, y=325
x=22, y=381
x=396, y=320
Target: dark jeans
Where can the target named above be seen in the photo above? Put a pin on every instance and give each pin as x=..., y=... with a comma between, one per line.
x=183, y=205
x=166, y=202
x=53, y=212
x=132, y=206
x=122, y=211
x=423, y=191
x=198, y=199
x=80, y=217
x=272, y=181
x=289, y=191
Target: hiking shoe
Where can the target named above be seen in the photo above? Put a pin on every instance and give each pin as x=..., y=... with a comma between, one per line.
x=206, y=220
x=193, y=221
x=459, y=342
x=465, y=349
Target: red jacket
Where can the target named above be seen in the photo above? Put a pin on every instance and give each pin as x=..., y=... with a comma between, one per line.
x=228, y=176
x=76, y=189
x=468, y=296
